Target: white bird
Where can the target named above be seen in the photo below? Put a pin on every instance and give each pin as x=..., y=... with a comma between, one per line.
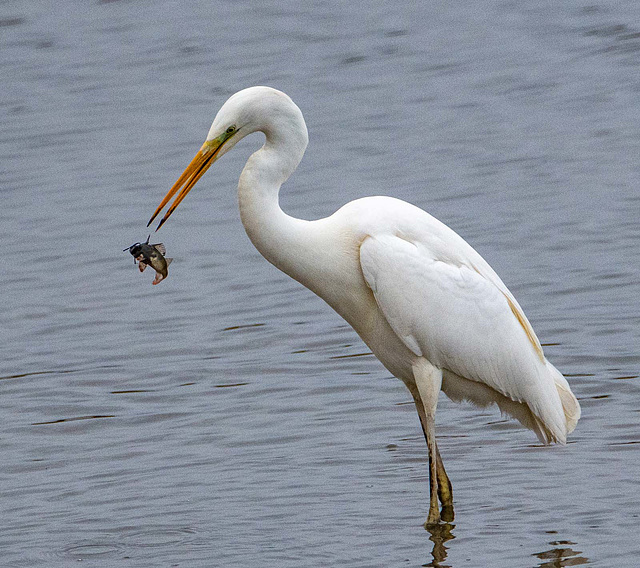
x=425, y=302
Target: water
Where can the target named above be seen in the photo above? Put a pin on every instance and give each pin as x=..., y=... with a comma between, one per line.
x=228, y=417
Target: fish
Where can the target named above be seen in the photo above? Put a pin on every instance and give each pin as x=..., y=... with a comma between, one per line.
x=153, y=256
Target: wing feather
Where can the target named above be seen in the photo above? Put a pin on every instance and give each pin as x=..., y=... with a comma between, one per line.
x=455, y=311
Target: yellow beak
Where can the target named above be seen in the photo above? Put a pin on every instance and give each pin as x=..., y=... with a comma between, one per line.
x=195, y=170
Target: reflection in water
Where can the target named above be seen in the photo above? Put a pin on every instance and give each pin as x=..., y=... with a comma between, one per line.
x=439, y=535
x=561, y=555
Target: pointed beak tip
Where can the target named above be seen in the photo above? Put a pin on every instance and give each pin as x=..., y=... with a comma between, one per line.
x=194, y=171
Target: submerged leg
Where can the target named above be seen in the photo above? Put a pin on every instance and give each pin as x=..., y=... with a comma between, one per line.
x=428, y=381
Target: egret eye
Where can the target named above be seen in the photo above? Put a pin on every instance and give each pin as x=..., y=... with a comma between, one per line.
x=231, y=130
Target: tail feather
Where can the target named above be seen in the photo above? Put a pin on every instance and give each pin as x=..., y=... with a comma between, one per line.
x=570, y=404
x=555, y=428
x=458, y=389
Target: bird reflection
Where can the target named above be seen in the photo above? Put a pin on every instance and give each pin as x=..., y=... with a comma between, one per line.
x=560, y=556
x=439, y=535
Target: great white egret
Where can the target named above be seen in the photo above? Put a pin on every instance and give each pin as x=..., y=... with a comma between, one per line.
x=425, y=302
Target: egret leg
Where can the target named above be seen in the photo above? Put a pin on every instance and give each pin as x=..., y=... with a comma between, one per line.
x=428, y=381
x=445, y=488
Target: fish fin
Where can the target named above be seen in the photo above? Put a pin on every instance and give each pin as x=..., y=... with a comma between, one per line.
x=169, y=260
x=160, y=248
x=141, y=266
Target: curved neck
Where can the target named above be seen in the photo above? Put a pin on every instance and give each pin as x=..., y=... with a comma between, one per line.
x=279, y=238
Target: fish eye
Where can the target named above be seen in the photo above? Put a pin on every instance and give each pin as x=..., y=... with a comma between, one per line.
x=231, y=130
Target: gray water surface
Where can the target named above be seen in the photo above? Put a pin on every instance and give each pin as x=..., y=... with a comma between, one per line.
x=228, y=417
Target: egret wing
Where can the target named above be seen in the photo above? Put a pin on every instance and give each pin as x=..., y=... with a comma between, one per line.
x=444, y=308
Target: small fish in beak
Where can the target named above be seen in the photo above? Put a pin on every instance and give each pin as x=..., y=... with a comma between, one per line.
x=153, y=256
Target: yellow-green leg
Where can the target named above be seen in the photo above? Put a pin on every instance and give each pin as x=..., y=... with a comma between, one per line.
x=428, y=382
x=445, y=490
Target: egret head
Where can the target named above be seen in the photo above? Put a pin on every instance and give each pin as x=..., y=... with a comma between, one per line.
x=254, y=109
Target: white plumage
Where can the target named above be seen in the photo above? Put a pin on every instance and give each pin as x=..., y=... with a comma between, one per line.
x=426, y=303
